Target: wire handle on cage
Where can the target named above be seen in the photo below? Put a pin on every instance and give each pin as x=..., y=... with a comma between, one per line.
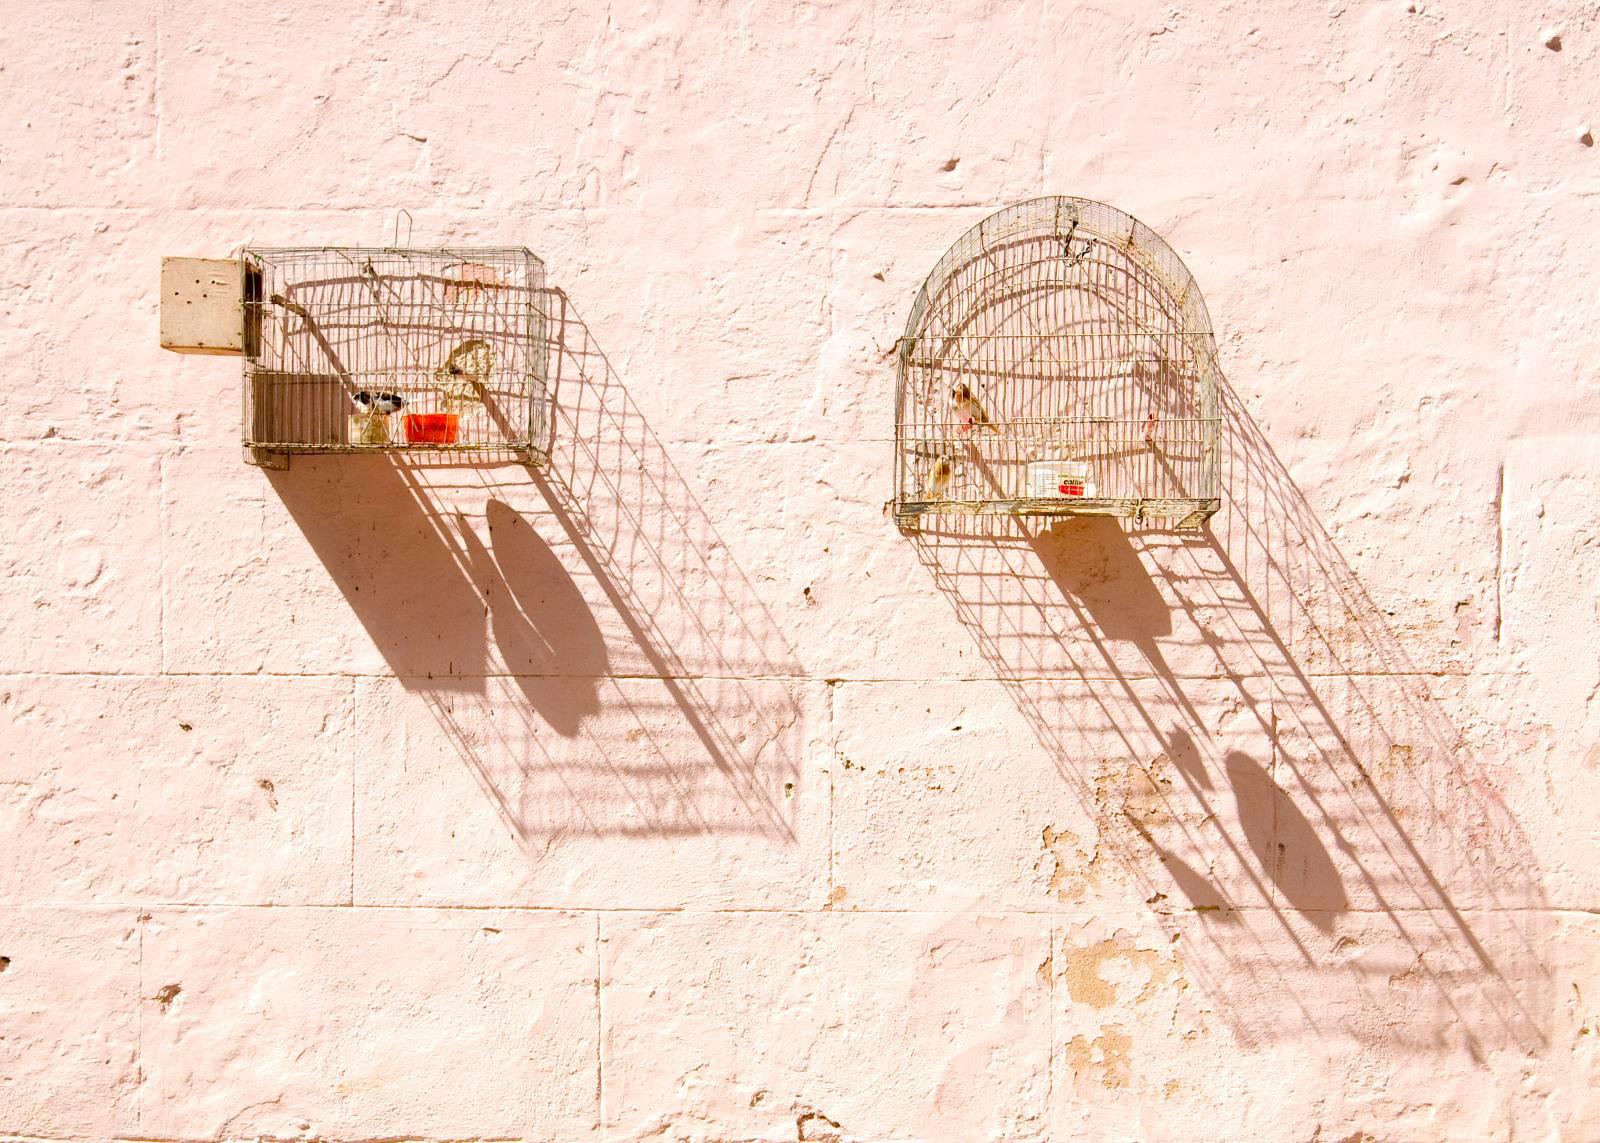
x=397, y=215
x=1073, y=257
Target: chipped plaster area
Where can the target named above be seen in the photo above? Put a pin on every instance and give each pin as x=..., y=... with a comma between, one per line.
x=671, y=793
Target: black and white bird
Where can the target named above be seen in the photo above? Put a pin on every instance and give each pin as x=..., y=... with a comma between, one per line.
x=384, y=403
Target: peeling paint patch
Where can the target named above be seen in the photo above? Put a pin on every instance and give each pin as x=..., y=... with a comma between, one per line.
x=1413, y=976
x=1399, y=764
x=1106, y=1059
x=1137, y=792
x=1100, y=975
x=815, y=1127
x=1072, y=873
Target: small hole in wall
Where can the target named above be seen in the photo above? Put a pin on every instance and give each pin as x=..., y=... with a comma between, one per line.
x=5, y=963
x=950, y=164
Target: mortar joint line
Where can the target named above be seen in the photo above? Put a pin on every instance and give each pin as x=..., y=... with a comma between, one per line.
x=599, y=1032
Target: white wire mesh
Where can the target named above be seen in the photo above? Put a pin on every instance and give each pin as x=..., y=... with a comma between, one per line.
x=353, y=349
x=1059, y=360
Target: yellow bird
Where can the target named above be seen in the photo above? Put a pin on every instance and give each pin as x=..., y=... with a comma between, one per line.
x=939, y=475
x=465, y=374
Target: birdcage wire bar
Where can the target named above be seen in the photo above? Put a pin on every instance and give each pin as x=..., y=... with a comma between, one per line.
x=1058, y=361
x=440, y=352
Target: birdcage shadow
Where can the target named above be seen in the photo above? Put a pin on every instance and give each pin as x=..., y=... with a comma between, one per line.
x=552, y=623
x=1355, y=807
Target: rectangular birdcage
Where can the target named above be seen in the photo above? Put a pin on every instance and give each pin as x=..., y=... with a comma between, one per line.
x=358, y=349
x=1058, y=361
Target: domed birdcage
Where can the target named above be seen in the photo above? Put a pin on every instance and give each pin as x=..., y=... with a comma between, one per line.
x=1058, y=361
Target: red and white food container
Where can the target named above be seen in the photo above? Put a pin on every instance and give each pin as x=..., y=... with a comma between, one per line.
x=1061, y=480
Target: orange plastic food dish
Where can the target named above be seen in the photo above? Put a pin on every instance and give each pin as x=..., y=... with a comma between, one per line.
x=432, y=428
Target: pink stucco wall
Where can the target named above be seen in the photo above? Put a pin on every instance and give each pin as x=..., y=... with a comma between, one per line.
x=674, y=794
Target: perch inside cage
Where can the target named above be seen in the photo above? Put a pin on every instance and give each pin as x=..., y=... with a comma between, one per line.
x=1058, y=361
x=351, y=349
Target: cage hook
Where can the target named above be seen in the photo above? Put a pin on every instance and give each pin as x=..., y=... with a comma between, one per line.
x=397, y=215
x=1072, y=256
